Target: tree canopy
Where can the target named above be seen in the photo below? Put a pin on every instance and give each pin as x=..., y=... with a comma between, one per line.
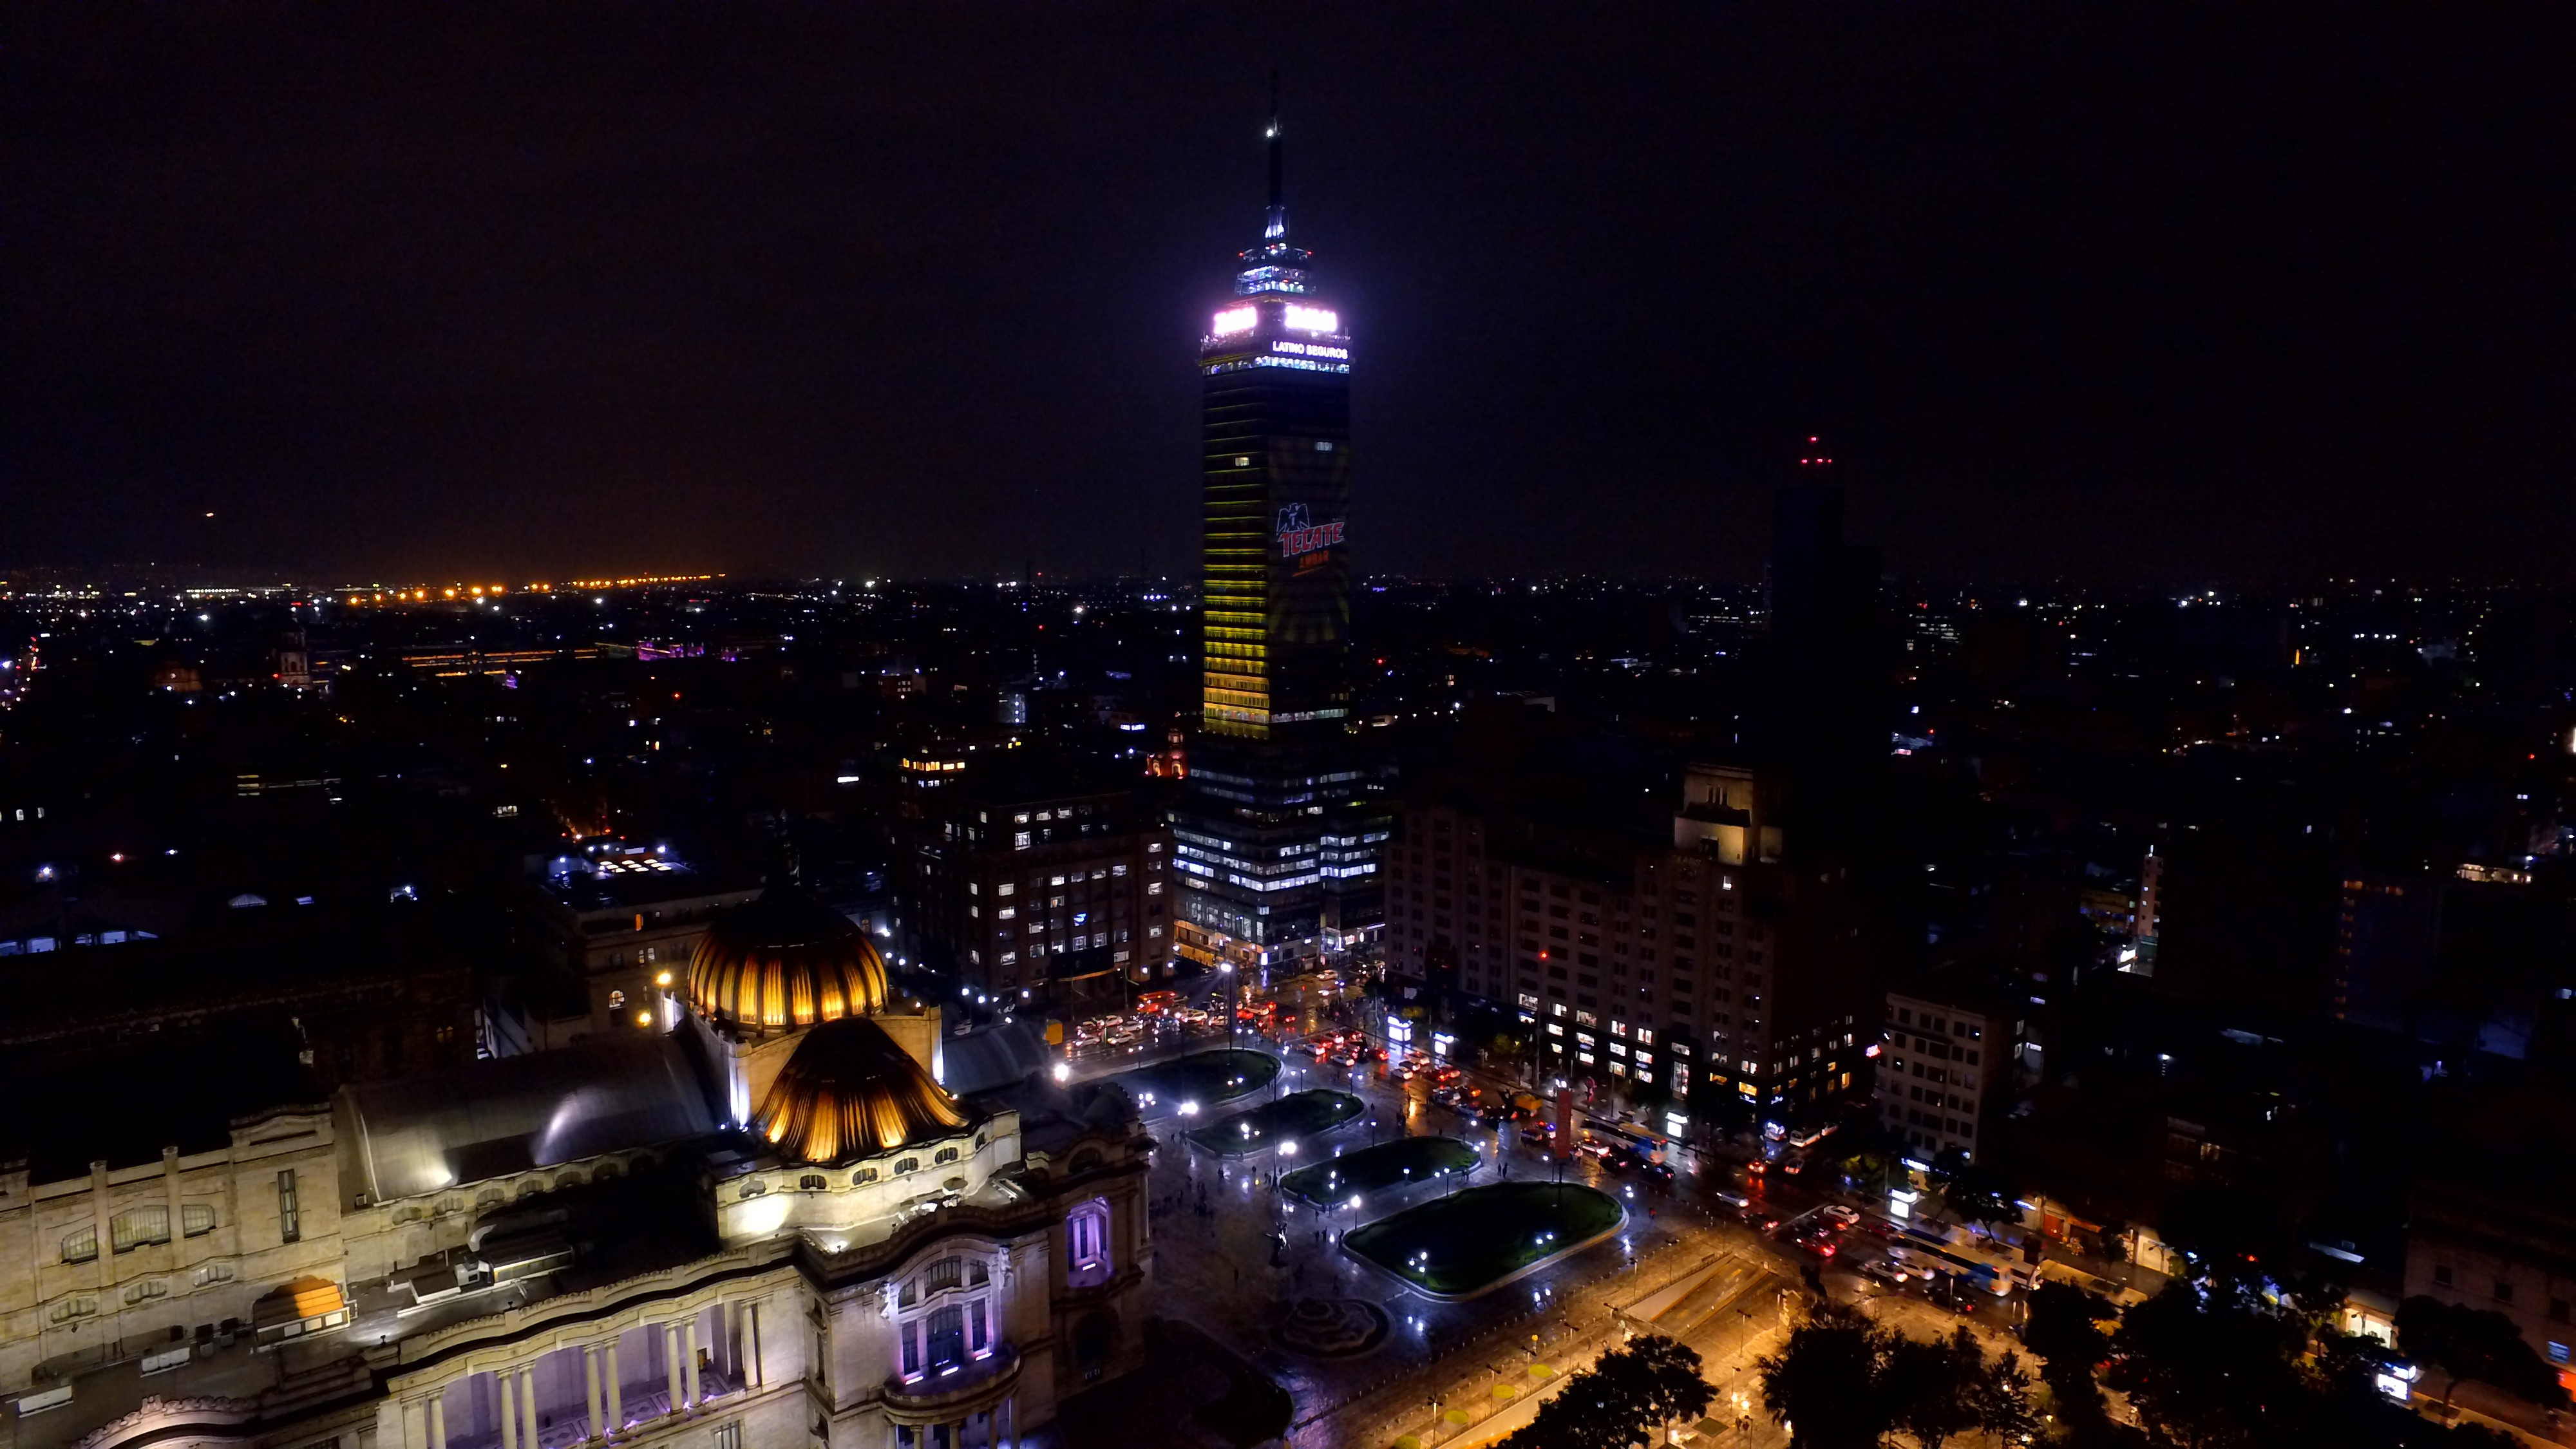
x=2474, y=1343
x=1843, y=1382
x=1628, y=1395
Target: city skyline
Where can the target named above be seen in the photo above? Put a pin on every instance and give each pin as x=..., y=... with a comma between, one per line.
x=423, y=298
x=757, y=891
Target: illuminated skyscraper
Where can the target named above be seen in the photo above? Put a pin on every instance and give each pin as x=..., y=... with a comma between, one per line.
x=1277, y=857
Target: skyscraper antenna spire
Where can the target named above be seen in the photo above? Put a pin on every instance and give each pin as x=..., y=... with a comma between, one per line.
x=1277, y=229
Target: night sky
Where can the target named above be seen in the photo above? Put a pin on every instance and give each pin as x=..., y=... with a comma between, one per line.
x=2170, y=293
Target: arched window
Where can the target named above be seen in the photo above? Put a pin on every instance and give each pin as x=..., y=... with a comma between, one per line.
x=135, y=1227
x=946, y=1337
x=908, y=1164
x=812, y=1182
x=754, y=1188
x=944, y=1154
x=863, y=1177
x=1086, y=1244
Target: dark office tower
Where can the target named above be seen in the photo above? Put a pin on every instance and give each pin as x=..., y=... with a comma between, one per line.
x=1824, y=699
x=1277, y=859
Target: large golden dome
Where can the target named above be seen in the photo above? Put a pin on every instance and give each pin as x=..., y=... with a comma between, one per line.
x=849, y=1091
x=785, y=961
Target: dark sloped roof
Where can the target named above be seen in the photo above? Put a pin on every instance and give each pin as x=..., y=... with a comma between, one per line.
x=991, y=1059
x=606, y=1094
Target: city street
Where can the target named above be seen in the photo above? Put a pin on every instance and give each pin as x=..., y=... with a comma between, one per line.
x=1234, y=1259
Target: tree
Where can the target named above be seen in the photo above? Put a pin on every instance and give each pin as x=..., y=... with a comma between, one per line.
x=1842, y=1380
x=2001, y=1397
x=2064, y=1329
x=1930, y=1386
x=1627, y=1397
x=2236, y=1235
x=1979, y=1196
x=1653, y=1380
x=2473, y=1343
x=1823, y=1384
x=2212, y=1368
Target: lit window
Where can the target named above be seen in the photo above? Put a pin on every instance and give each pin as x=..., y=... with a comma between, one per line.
x=1086, y=1237
x=290, y=1221
x=135, y=1227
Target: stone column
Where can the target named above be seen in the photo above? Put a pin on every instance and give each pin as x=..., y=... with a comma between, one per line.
x=689, y=1366
x=509, y=1412
x=103, y=1267
x=590, y=1397
x=178, y=1209
x=438, y=1419
x=528, y=1406
x=671, y=1358
x=616, y=1395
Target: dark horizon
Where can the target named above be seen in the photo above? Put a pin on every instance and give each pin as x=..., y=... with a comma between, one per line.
x=2156, y=298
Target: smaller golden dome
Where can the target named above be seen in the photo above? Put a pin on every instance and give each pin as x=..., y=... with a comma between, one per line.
x=848, y=1091
x=785, y=961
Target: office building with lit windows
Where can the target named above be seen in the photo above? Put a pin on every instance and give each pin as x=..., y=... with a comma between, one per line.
x=1718, y=968
x=1943, y=1081
x=1276, y=841
x=1031, y=884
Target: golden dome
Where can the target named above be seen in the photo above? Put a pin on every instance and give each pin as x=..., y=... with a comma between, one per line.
x=849, y=1090
x=785, y=961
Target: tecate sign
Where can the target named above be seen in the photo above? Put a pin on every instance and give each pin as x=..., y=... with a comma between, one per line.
x=1298, y=534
